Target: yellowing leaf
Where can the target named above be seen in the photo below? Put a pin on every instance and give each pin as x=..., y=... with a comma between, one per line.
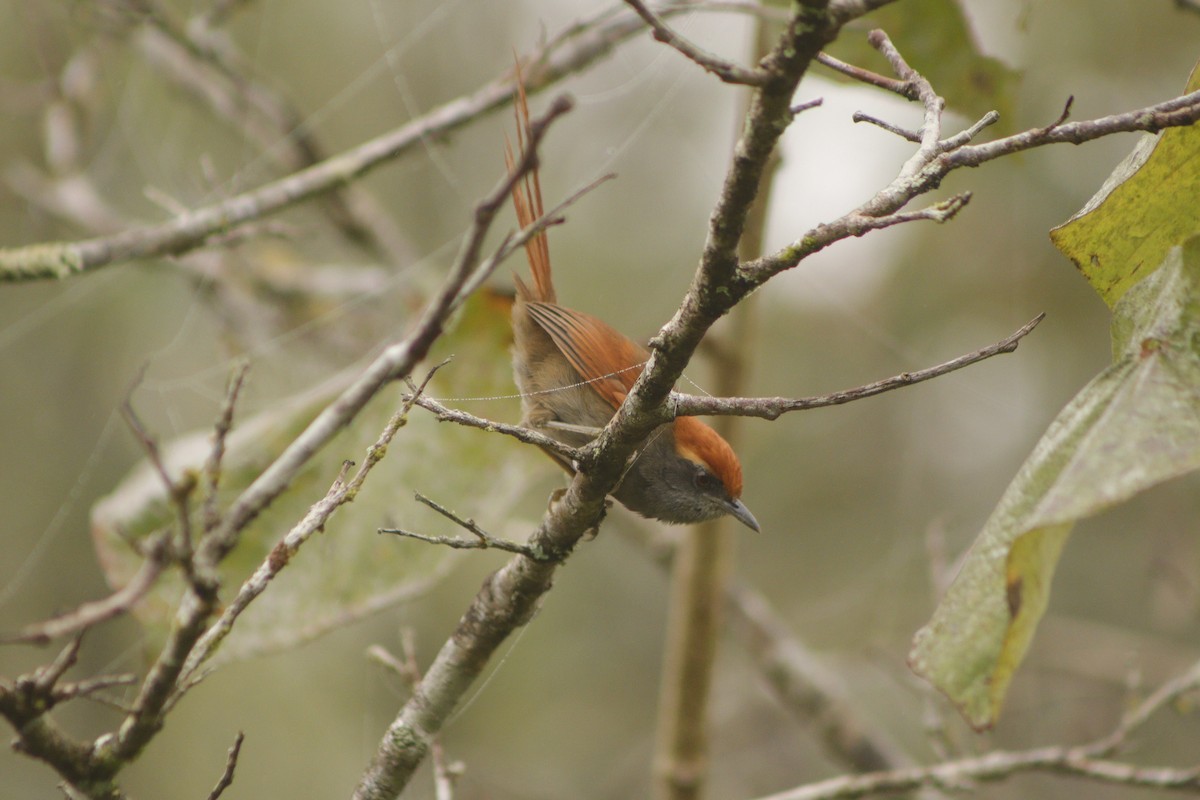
x=1135, y=425
x=1149, y=204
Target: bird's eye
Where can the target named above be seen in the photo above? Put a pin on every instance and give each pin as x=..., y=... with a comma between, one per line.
x=706, y=481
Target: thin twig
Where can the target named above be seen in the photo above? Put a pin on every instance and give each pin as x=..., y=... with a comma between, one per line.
x=212, y=466
x=964, y=137
x=231, y=760
x=813, y=693
x=510, y=596
x=994, y=766
x=515, y=242
x=46, y=677
x=517, y=432
x=384, y=657
x=155, y=558
x=773, y=407
x=179, y=492
x=1066, y=113
x=90, y=686
x=342, y=491
x=395, y=361
x=903, y=88
x=444, y=772
x=1163, y=696
x=722, y=68
x=931, y=127
x=903, y=133
x=576, y=48
x=1176, y=112
x=482, y=541
x=807, y=105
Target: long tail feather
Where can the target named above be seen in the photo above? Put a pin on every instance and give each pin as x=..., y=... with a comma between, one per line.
x=527, y=200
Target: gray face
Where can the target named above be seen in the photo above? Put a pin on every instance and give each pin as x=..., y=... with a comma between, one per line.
x=662, y=485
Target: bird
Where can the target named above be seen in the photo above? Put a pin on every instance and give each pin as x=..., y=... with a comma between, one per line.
x=574, y=370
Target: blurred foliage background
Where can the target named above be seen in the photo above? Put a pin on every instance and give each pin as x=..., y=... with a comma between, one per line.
x=849, y=497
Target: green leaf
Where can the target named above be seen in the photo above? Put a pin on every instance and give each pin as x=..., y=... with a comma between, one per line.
x=349, y=570
x=1149, y=204
x=1135, y=425
x=935, y=39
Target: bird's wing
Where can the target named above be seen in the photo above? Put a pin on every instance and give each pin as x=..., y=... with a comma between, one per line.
x=605, y=358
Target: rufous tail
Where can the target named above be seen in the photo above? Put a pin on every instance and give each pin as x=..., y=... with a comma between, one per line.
x=527, y=200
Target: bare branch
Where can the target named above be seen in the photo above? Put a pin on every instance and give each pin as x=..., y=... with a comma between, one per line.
x=931, y=128
x=206, y=63
x=510, y=596
x=395, y=361
x=994, y=766
x=341, y=492
x=482, y=541
x=918, y=178
x=903, y=88
x=773, y=407
x=963, y=137
x=514, y=243
x=807, y=105
x=155, y=558
x=803, y=685
x=445, y=772
x=179, y=492
x=212, y=466
x=231, y=760
x=178, y=654
x=903, y=133
x=1136, y=717
x=45, y=678
x=1177, y=112
x=519, y=433
x=723, y=69
x=575, y=48
x=90, y=686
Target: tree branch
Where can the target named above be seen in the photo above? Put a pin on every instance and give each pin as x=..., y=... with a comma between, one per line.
x=87, y=615
x=723, y=69
x=935, y=159
x=395, y=361
x=903, y=88
x=231, y=760
x=811, y=692
x=482, y=541
x=576, y=47
x=774, y=407
x=996, y=765
x=519, y=433
x=341, y=492
x=1084, y=761
x=509, y=597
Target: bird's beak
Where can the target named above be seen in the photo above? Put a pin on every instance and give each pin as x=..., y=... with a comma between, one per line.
x=737, y=509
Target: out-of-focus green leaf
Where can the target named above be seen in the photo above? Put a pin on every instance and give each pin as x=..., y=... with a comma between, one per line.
x=348, y=570
x=1135, y=425
x=935, y=39
x=1149, y=204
